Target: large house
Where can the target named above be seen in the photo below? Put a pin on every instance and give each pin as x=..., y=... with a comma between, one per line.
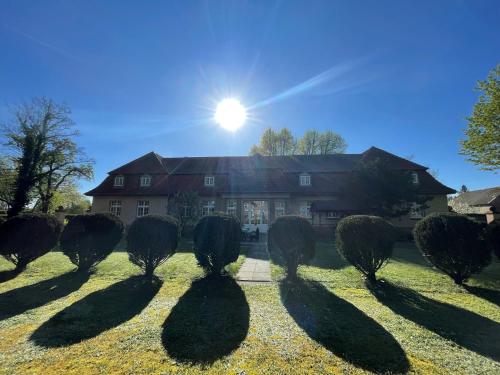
x=257, y=189
x=483, y=205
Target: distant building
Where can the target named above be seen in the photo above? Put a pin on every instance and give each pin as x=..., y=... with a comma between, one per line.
x=482, y=204
x=256, y=189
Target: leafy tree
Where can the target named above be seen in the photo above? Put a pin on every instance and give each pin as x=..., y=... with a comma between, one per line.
x=7, y=182
x=40, y=138
x=309, y=143
x=72, y=201
x=26, y=237
x=383, y=191
x=366, y=242
x=217, y=242
x=294, y=237
x=184, y=206
x=454, y=244
x=312, y=143
x=151, y=240
x=482, y=145
x=464, y=189
x=331, y=143
x=88, y=239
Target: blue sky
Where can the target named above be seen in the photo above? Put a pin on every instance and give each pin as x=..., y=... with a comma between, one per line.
x=142, y=76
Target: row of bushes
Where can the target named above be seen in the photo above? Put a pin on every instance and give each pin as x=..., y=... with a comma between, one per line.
x=455, y=244
x=88, y=239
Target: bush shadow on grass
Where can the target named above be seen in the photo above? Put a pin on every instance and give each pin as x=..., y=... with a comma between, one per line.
x=20, y=300
x=326, y=257
x=208, y=322
x=341, y=328
x=9, y=275
x=97, y=312
x=467, y=329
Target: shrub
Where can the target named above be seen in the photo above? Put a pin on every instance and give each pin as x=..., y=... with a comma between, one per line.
x=493, y=237
x=366, y=242
x=151, y=240
x=294, y=238
x=89, y=239
x=26, y=237
x=217, y=242
x=453, y=243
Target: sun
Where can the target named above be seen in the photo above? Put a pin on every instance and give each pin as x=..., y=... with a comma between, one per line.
x=230, y=114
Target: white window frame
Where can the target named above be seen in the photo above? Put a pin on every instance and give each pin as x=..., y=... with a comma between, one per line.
x=207, y=207
x=414, y=178
x=416, y=211
x=119, y=181
x=115, y=207
x=333, y=215
x=231, y=207
x=142, y=208
x=305, y=180
x=145, y=180
x=279, y=208
x=209, y=181
x=305, y=209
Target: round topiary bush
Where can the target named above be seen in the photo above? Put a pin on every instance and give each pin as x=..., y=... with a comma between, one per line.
x=294, y=238
x=25, y=237
x=366, y=242
x=453, y=243
x=217, y=242
x=89, y=239
x=151, y=240
x=492, y=236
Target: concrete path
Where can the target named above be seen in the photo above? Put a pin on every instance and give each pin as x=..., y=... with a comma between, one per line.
x=256, y=266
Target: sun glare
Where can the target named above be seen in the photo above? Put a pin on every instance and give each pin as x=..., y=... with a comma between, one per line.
x=230, y=114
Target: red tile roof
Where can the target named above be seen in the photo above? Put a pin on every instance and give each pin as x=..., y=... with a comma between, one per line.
x=251, y=174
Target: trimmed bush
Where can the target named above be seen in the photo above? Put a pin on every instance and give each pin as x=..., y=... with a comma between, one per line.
x=26, y=237
x=217, y=242
x=88, y=239
x=151, y=240
x=454, y=244
x=366, y=242
x=492, y=236
x=294, y=238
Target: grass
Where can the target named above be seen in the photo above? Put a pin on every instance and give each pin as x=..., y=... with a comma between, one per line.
x=416, y=320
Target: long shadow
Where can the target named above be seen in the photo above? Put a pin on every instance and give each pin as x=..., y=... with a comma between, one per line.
x=490, y=295
x=467, y=329
x=20, y=300
x=341, y=328
x=98, y=312
x=8, y=275
x=209, y=321
x=327, y=258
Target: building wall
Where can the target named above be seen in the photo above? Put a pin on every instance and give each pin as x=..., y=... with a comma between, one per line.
x=157, y=205
x=439, y=203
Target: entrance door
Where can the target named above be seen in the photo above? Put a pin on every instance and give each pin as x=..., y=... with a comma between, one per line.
x=256, y=215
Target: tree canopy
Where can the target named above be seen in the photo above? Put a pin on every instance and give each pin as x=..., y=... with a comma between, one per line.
x=42, y=153
x=482, y=145
x=283, y=142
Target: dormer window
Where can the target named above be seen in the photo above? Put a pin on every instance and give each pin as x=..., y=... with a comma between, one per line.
x=119, y=181
x=209, y=181
x=414, y=178
x=305, y=180
x=145, y=180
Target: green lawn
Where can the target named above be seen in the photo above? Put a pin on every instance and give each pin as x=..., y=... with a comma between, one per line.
x=55, y=321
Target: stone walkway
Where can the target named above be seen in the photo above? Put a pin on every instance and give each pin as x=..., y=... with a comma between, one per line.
x=256, y=267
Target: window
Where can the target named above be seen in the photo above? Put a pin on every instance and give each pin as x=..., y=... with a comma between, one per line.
x=333, y=215
x=305, y=180
x=305, y=209
x=145, y=180
x=115, y=207
x=209, y=181
x=207, y=208
x=279, y=208
x=414, y=177
x=231, y=207
x=142, y=208
x=118, y=181
x=416, y=211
